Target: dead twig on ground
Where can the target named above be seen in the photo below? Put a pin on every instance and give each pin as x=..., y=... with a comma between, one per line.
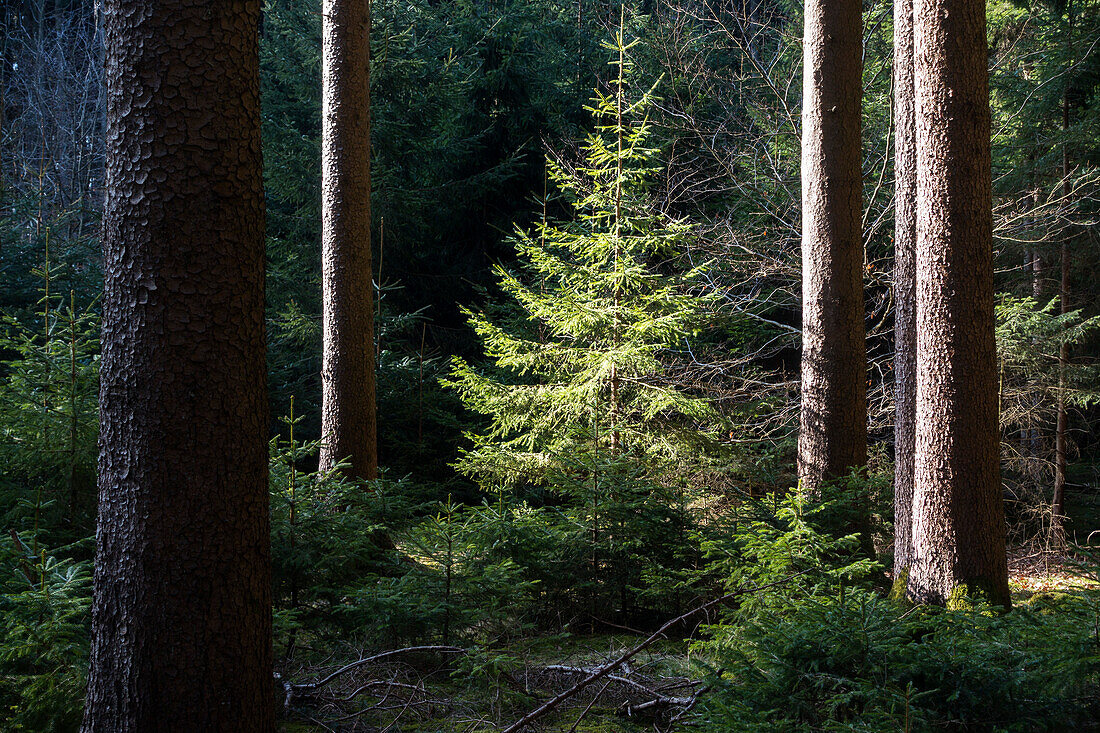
x=605, y=670
x=292, y=690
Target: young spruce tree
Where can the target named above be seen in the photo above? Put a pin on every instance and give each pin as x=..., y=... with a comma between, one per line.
x=580, y=400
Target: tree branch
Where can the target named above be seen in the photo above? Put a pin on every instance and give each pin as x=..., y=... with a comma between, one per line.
x=291, y=690
x=601, y=672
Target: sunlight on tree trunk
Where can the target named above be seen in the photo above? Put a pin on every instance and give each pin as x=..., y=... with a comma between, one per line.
x=832, y=437
x=348, y=412
x=958, y=513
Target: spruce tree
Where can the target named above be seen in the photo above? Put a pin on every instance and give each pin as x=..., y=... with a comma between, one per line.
x=582, y=367
x=579, y=399
x=958, y=529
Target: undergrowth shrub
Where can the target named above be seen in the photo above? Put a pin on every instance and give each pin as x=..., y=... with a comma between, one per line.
x=827, y=651
x=44, y=602
x=456, y=586
x=328, y=540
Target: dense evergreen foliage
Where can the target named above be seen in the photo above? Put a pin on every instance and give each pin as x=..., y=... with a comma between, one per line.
x=586, y=230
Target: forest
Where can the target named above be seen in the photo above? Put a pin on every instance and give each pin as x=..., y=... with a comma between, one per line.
x=549, y=365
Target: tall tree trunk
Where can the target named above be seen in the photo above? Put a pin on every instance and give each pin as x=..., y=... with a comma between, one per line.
x=958, y=511
x=181, y=625
x=348, y=418
x=1037, y=266
x=1031, y=434
x=833, y=431
x=1058, y=505
x=905, y=283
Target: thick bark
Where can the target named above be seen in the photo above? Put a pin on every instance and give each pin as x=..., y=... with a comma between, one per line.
x=833, y=431
x=181, y=626
x=958, y=511
x=348, y=420
x=905, y=283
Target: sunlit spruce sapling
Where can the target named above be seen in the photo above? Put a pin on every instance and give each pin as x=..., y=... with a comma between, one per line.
x=604, y=303
x=581, y=399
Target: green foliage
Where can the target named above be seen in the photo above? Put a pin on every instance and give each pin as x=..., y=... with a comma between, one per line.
x=324, y=532
x=612, y=543
x=421, y=422
x=44, y=602
x=582, y=364
x=823, y=651
x=48, y=419
x=601, y=310
x=48, y=429
x=581, y=410
x=459, y=587
x=854, y=661
x=39, y=236
x=1029, y=339
x=793, y=542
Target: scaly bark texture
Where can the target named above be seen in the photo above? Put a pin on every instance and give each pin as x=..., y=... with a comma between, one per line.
x=348, y=421
x=181, y=623
x=833, y=431
x=958, y=512
x=905, y=283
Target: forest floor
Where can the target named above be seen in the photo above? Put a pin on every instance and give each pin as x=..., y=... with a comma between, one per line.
x=1043, y=571
x=487, y=691
x=1037, y=568
x=484, y=691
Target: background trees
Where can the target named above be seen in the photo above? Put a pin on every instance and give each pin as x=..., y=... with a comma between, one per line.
x=1037, y=214
x=661, y=467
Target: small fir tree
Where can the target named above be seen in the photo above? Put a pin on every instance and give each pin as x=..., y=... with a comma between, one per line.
x=580, y=399
x=584, y=365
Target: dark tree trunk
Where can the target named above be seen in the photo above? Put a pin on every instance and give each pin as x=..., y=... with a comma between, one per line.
x=181, y=626
x=833, y=431
x=958, y=512
x=1037, y=266
x=1031, y=436
x=1058, y=504
x=905, y=283
x=348, y=420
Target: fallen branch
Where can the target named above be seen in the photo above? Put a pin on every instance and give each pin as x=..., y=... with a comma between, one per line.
x=661, y=701
x=687, y=708
x=381, y=683
x=656, y=698
x=613, y=677
x=588, y=707
x=291, y=690
x=601, y=672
